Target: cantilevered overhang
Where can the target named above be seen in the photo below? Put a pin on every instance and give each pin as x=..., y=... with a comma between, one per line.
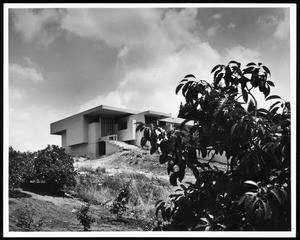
x=176, y=121
x=103, y=110
x=150, y=113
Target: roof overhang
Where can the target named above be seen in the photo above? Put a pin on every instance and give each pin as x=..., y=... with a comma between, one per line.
x=105, y=110
x=150, y=113
x=176, y=121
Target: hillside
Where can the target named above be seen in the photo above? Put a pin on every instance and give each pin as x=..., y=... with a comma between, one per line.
x=99, y=183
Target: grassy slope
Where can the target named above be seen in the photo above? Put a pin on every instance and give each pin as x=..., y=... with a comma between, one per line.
x=149, y=181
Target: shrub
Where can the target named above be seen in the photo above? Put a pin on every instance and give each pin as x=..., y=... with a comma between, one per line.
x=100, y=170
x=254, y=192
x=85, y=217
x=55, y=167
x=25, y=219
x=119, y=205
x=21, y=167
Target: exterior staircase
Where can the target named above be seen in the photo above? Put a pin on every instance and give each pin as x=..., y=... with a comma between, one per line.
x=123, y=146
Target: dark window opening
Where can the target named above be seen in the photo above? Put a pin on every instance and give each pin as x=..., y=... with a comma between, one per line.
x=122, y=126
x=149, y=120
x=162, y=124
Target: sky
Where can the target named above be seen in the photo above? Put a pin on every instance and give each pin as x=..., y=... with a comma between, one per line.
x=64, y=60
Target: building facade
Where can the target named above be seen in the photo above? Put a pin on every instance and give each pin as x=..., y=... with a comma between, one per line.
x=105, y=129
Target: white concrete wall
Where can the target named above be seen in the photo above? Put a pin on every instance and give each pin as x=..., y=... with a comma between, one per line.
x=129, y=133
x=75, y=127
x=93, y=136
x=64, y=139
x=78, y=150
x=138, y=135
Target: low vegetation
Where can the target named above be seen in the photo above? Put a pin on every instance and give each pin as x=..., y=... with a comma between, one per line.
x=97, y=189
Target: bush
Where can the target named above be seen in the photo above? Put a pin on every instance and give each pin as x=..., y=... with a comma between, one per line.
x=254, y=192
x=119, y=205
x=25, y=219
x=21, y=167
x=85, y=217
x=55, y=167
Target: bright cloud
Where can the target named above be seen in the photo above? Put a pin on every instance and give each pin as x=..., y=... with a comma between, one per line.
x=21, y=73
x=216, y=16
x=34, y=124
x=154, y=87
x=154, y=67
x=242, y=55
x=148, y=34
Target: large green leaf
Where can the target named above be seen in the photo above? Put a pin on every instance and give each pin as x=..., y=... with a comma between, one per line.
x=173, y=179
x=249, y=204
x=215, y=68
x=245, y=95
x=178, y=88
x=251, y=64
x=273, y=97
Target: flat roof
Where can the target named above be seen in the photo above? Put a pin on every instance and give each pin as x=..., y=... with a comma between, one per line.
x=115, y=111
x=104, y=110
x=156, y=114
x=108, y=110
x=175, y=120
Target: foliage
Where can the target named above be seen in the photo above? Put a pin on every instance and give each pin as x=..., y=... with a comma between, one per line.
x=85, y=217
x=119, y=204
x=151, y=133
x=21, y=168
x=55, y=167
x=254, y=192
x=25, y=219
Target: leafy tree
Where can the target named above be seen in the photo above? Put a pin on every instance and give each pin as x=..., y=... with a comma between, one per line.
x=21, y=168
x=254, y=192
x=55, y=167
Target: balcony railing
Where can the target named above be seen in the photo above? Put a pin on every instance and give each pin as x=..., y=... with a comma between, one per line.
x=112, y=137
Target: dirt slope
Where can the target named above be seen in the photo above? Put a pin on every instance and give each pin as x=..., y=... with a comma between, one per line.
x=59, y=213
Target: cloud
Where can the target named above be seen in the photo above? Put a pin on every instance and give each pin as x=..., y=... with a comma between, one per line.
x=267, y=21
x=142, y=36
x=19, y=73
x=36, y=24
x=212, y=31
x=16, y=94
x=281, y=25
x=154, y=54
x=116, y=27
x=34, y=125
x=114, y=99
x=154, y=87
x=231, y=26
x=283, y=28
x=242, y=55
x=216, y=16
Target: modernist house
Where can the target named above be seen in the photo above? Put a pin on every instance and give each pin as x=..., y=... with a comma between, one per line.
x=105, y=129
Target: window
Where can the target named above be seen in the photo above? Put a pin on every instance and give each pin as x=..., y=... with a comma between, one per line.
x=122, y=126
x=162, y=124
